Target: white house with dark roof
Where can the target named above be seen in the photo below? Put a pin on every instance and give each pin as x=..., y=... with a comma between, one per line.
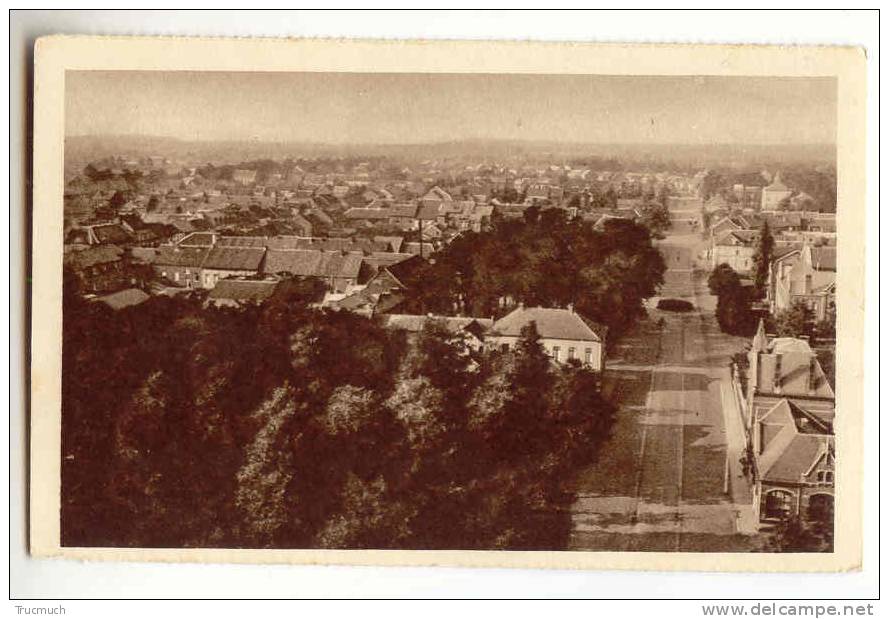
x=223, y=261
x=807, y=275
x=734, y=248
x=774, y=194
x=564, y=333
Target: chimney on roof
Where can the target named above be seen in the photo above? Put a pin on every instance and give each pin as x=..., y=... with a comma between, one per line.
x=777, y=379
x=812, y=377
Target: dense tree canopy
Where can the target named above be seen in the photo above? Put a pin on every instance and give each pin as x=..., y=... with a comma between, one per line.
x=279, y=425
x=733, y=306
x=544, y=260
x=762, y=258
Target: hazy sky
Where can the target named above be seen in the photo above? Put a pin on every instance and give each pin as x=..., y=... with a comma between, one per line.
x=353, y=108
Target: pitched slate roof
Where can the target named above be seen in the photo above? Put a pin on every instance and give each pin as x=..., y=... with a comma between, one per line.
x=394, y=242
x=197, y=239
x=181, y=256
x=294, y=262
x=336, y=264
x=143, y=254
x=383, y=259
x=403, y=209
x=437, y=193
x=784, y=250
x=778, y=221
x=415, y=323
x=313, y=263
x=428, y=212
x=326, y=244
x=797, y=441
x=733, y=221
x=553, y=323
x=110, y=233
x=743, y=237
x=243, y=290
x=414, y=248
x=797, y=373
x=234, y=258
x=124, y=298
x=241, y=241
x=91, y=256
x=406, y=271
x=367, y=213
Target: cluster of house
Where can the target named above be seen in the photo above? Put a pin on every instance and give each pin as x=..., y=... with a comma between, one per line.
x=365, y=276
x=196, y=239
x=803, y=264
x=789, y=410
x=733, y=239
x=566, y=335
x=804, y=275
x=776, y=196
x=344, y=197
x=432, y=215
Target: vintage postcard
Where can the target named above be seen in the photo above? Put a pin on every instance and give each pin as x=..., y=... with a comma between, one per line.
x=448, y=303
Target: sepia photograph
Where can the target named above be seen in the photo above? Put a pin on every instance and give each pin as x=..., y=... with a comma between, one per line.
x=376, y=310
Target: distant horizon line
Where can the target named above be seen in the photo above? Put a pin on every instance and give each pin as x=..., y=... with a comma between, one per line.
x=436, y=142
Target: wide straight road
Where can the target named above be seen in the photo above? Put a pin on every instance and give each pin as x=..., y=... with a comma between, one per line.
x=668, y=479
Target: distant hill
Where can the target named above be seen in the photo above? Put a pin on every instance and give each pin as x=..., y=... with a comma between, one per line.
x=82, y=149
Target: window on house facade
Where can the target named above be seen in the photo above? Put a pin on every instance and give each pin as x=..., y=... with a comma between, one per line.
x=778, y=504
x=571, y=353
x=556, y=353
x=588, y=355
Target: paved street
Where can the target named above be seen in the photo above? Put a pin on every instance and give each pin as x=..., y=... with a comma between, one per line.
x=668, y=478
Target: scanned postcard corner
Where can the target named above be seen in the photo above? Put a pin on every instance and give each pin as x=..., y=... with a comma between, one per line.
x=551, y=306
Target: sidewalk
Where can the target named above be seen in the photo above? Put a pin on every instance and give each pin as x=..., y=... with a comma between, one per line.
x=736, y=443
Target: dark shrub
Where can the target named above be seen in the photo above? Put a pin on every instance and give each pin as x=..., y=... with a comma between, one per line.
x=675, y=305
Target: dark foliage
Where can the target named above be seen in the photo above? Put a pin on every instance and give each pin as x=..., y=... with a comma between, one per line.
x=793, y=535
x=675, y=305
x=282, y=426
x=733, y=306
x=798, y=320
x=762, y=258
x=544, y=260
